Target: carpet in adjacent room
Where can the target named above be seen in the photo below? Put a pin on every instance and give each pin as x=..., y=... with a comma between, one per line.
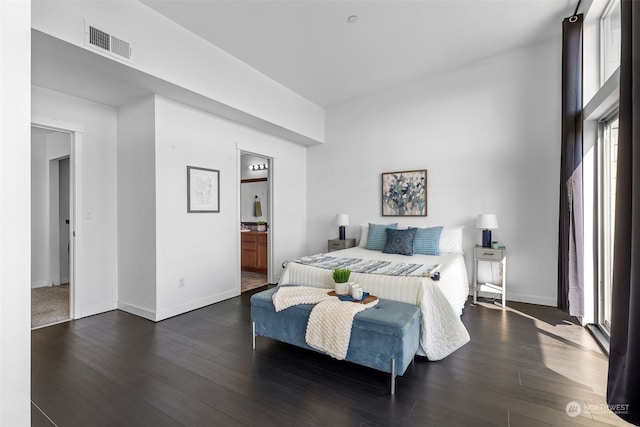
x=49, y=304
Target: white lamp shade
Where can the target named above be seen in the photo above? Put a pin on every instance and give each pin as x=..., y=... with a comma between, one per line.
x=487, y=221
x=342, y=219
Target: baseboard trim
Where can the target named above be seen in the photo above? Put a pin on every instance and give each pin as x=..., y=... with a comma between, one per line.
x=194, y=305
x=91, y=310
x=531, y=299
x=40, y=284
x=138, y=311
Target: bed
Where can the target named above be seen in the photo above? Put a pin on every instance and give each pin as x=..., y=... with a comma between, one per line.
x=441, y=301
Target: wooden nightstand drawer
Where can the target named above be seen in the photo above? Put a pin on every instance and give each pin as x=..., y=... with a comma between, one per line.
x=337, y=244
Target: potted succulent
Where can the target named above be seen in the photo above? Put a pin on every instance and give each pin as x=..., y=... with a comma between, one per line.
x=262, y=226
x=341, y=279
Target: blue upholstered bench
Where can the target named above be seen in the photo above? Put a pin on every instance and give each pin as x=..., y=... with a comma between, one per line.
x=384, y=337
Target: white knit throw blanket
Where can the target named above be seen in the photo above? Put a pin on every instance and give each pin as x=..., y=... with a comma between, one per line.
x=329, y=326
x=288, y=296
x=330, y=321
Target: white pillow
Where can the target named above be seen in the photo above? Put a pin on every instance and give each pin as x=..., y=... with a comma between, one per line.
x=364, y=234
x=451, y=239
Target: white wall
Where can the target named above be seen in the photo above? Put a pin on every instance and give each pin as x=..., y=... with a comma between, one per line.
x=248, y=193
x=96, y=263
x=489, y=135
x=15, y=213
x=137, y=208
x=202, y=68
x=203, y=248
x=160, y=245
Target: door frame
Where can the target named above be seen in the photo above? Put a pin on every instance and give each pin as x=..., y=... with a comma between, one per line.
x=75, y=132
x=270, y=207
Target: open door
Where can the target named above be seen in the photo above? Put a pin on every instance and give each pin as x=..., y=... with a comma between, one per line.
x=51, y=201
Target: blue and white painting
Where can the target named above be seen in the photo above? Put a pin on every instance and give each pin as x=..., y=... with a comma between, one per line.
x=404, y=193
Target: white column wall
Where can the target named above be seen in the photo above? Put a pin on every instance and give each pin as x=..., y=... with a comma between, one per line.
x=137, y=209
x=15, y=213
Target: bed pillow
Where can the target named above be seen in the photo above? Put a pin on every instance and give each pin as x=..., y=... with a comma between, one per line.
x=451, y=239
x=427, y=241
x=364, y=233
x=377, y=237
x=400, y=241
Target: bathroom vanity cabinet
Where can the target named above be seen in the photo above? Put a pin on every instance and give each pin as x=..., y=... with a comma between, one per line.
x=254, y=251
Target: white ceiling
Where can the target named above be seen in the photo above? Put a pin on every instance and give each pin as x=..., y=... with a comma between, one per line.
x=309, y=47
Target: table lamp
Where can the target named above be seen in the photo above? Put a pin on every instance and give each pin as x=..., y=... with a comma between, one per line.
x=487, y=222
x=341, y=221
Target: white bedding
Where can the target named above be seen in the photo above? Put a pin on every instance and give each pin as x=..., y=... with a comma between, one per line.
x=440, y=302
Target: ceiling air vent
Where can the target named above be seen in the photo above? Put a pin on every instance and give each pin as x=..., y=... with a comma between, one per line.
x=107, y=43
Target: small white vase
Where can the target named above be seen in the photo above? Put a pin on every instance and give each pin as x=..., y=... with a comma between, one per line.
x=343, y=288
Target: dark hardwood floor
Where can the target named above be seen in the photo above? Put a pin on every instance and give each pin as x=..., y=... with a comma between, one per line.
x=521, y=368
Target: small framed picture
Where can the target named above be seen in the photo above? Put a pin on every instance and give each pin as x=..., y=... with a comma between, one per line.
x=203, y=190
x=404, y=193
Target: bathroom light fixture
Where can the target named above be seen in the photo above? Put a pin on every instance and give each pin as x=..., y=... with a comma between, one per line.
x=259, y=167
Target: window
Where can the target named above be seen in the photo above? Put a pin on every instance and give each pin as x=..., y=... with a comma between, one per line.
x=609, y=40
x=607, y=170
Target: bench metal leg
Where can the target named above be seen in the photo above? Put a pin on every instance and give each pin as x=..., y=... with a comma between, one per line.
x=393, y=376
x=253, y=327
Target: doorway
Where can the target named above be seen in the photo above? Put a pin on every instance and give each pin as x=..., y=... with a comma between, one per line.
x=255, y=221
x=51, y=227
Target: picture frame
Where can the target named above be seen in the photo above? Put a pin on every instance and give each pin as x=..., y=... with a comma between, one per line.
x=404, y=193
x=203, y=190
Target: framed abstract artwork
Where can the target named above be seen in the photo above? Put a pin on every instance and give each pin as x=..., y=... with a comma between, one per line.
x=404, y=193
x=203, y=190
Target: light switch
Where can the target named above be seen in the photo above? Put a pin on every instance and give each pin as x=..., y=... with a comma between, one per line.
x=88, y=214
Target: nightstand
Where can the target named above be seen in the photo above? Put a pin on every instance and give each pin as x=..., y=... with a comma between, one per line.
x=490, y=255
x=337, y=244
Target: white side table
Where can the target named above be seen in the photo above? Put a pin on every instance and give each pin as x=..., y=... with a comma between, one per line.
x=491, y=255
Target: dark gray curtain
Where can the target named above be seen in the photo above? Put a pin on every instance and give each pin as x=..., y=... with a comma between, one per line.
x=623, y=388
x=570, y=244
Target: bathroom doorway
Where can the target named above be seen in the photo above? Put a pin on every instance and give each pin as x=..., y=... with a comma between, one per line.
x=254, y=220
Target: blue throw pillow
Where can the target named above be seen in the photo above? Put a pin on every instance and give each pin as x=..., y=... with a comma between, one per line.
x=400, y=241
x=427, y=241
x=377, y=236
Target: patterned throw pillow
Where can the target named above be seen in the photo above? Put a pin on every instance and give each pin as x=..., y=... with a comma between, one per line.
x=377, y=236
x=427, y=241
x=400, y=241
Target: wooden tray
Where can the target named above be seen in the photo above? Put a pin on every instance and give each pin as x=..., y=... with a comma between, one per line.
x=367, y=300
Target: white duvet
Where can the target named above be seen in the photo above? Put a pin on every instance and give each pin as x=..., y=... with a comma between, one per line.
x=440, y=302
